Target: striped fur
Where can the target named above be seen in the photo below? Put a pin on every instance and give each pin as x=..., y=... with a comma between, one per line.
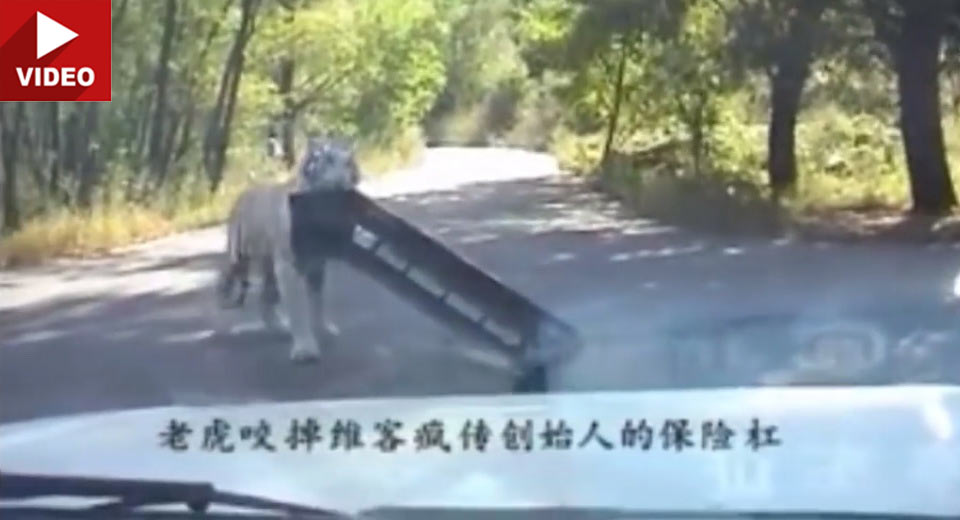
x=258, y=245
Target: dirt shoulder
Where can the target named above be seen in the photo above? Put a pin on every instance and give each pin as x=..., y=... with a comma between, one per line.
x=888, y=225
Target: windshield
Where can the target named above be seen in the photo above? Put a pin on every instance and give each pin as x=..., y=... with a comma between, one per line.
x=237, y=234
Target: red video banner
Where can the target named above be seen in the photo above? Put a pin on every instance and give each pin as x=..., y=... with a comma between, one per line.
x=55, y=50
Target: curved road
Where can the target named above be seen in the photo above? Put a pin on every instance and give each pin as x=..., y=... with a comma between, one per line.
x=131, y=330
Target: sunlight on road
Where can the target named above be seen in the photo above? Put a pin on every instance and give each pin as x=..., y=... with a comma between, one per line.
x=619, y=279
x=449, y=168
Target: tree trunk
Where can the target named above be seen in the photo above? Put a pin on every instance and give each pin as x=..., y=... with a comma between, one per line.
x=186, y=133
x=8, y=153
x=217, y=137
x=7, y=193
x=54, y=189
x=118, y=14
x=614, y=117
x=288, y=121
x=156, y=153
x=72, y=150
x=917, y=54
x=285, y=76
x=787, y=83
x=176, y=120
x=88, y=159
x=33, y=149
x=142, y=133
x=697, y=132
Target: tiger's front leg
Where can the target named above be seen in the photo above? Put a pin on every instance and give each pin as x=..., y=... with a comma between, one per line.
x=317, y=281
x=299, y=302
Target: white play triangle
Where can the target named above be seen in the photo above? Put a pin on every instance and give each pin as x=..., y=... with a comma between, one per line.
x=51, y=35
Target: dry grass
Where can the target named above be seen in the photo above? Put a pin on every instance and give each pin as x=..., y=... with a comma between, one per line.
x=851, y=187
x=464, y=126
x=69, y=233
x=378, y=159
x=74, y=233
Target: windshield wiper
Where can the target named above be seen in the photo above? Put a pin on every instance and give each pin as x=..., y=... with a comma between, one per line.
x=126, y=495
x=129, y=494
x=587, y=513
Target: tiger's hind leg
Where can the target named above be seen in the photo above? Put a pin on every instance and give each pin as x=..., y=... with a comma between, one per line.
x=233, y=281
x=230, y=292
x=270, y=298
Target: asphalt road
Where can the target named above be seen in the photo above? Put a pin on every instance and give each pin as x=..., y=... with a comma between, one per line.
x=132, y=330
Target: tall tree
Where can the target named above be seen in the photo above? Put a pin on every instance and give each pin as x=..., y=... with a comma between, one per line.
x=284, y=79
x=53, y=124
x=613, y=33
x=913, y=32
x=613, y=120
x=10, y=128
x=794, y=54
x=217, y=137
x=8, y=186
x=88, y=154
x=779, y=37
x=156, y=151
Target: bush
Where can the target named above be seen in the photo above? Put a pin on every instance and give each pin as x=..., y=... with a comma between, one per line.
x=538, y=116
x=577, y=154
x=849, y=161
x=116, y=221
x=401, y=150
x=73, y=233
x=462, y=126
x=658, y=184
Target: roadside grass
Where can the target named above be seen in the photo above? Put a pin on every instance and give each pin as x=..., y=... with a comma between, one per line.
x=376, y=159
x=852, y=182
x=504, y=118
x=852, y=185
x=463, y=126
x=71, y=232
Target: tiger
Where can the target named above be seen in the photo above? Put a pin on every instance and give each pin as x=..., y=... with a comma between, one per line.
x=259, y=243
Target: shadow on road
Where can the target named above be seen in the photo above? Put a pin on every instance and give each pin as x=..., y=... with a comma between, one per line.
x=655, y=304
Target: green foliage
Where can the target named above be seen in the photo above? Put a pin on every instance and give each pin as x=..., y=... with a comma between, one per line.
x=369, y=70
x=542, y=29
x=480, y=53
x=675, y=70
x=402, y=149
x=577, y=153
x=486, y=77
x=852, y=160
x=847, y=145
x=600, y=25
x=738, y=139
x=538, y=114
x=541, y=74
x=402, y=64
x=699, y=75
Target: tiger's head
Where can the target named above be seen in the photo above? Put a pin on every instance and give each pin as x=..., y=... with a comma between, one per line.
x=328, y=164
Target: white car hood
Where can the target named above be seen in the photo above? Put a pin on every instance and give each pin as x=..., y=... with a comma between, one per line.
x=882, y=450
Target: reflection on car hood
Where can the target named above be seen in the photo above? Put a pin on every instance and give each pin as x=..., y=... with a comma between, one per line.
x=890, y=449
